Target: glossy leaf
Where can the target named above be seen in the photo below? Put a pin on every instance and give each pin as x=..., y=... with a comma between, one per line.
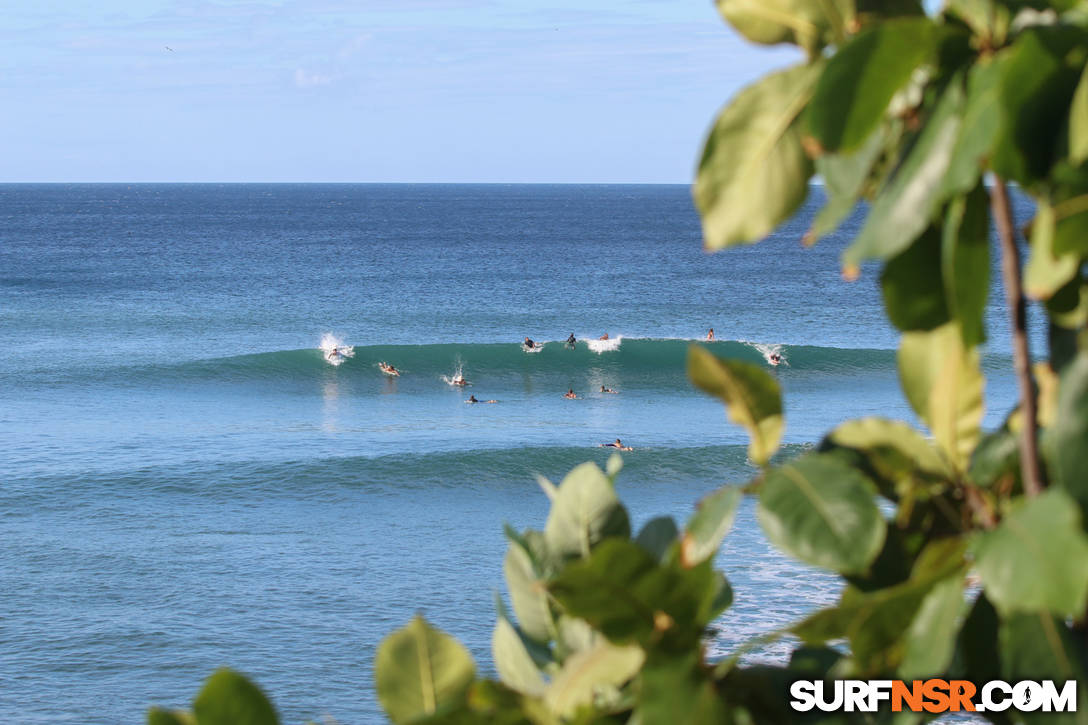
x=515, y=665
x=421, y=671
x=228, y=698
x=858, y=84
x=808, y=24
x=677, y=689
x=623, y=592
x=528, y=594
x=1069, y=435
x=891, y=446
x=753, y=398
x=965, y=262
x=1046, y=271
x=988, y=19
x=979, y=130
x=1037, y=559
x=914, y=293
x=845, y=177
x=584, y=512
x=1078, y=121
x=657, y=536
x=586, y=673
x=707, y=528
x=909, y=201
x=1037, y=86
x=822, y=511
x=1040, y=647
x=754, y=173
x=931, y=639
x=159, y=716
x=943, y=383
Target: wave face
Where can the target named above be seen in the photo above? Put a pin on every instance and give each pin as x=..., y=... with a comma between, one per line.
x=641, y=358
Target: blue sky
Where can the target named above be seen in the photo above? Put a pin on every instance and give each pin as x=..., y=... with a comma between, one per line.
x=370, y=90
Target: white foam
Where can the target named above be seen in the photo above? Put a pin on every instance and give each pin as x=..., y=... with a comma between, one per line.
x=334, y=350
x=537, y=347
x=458, y=377
x=599, y=346
x=767, y=349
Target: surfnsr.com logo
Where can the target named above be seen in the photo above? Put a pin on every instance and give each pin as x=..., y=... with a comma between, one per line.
x=933, y=696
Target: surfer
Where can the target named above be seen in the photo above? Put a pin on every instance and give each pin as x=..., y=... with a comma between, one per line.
x=603, y=337
x=529, y=344
x=570, y=394
x=388, y=369
x=472, y=399
x=774, y=358
x=335, y=352
x=607, y=390
x=618, y=445
x=571, y=342
x=459, y=380
x=710, y=335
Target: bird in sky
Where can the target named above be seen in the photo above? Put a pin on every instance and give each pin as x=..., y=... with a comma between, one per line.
x=169, y=48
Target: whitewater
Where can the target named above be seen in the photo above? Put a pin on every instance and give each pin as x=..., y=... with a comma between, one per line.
x=202, y=463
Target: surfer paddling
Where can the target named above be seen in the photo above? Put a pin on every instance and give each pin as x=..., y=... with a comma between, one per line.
x=570, y=394
x=774, y=358
x=618, y=445
x=607, y=390
x=388, y=369
x=472, y=399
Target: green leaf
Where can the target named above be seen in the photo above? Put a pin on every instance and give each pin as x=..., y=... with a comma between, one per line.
x=421, y=671
x=979, y=130
x=996, y=457
x=587, y=673
x=1037, y=558
x=1078, y=121
x=808, y=24
x=908, y=202
x=614, y=465
x=858, y=84
x=1040, y=647
x=845, y=178
x=754, y=173
x=528, y=594
x=1037, y=86
x=965, y=262
x=675, y=688
x=1068, y=443
x=228, y=698
x=753, y=398
x=977, y=656
x=943, y=383
x=625, y=594
x=931, y=638
x=159, y=716
x=1046, y=271
x=585, y=511
x=892, y=448
x=914, y=293
x=822, y=511
x=515, y=665
x=878, y=623
x=657, y=536
x=707, y=528
x=987, y=19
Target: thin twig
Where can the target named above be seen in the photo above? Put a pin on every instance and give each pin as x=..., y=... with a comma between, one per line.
x=1014, y=296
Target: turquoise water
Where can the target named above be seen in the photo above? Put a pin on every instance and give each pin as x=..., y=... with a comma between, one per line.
x=186, y=481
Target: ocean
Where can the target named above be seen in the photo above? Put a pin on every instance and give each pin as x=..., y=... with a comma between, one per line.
x=188, y=480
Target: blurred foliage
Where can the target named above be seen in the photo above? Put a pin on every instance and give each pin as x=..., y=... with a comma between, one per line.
x=924, y=117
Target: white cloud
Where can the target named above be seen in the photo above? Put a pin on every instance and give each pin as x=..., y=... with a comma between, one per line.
x=304, y=79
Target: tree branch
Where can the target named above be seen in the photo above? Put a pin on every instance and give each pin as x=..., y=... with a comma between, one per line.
x=1014, y=296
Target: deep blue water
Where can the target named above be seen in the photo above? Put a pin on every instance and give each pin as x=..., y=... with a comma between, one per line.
x=186, y=482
